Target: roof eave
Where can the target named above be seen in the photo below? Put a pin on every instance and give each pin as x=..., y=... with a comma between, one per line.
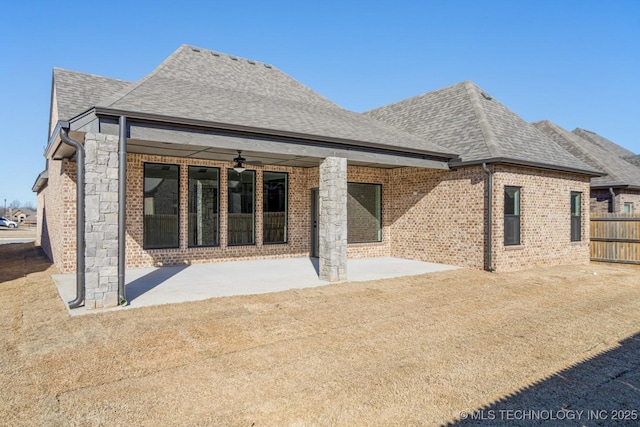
x=41, y=181
x=54, y=139
x=181, y=121
x=616, y=185
x=526, y=163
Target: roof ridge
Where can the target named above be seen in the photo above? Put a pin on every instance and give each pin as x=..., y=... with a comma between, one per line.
x=127, y=90
x=567, y=135
x=481, y=117
x=234, y=57
x=87, y=74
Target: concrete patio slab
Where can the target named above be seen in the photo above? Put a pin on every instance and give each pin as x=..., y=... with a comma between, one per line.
x=183, y=283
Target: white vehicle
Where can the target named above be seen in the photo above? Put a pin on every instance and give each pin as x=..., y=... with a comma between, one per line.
x=4, y=222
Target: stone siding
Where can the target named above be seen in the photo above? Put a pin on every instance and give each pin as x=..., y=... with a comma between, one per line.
x=101, y=229
x=333, y=219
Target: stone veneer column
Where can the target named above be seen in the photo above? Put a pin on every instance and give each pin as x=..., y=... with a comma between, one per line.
x=101, y=221
x=333, y=219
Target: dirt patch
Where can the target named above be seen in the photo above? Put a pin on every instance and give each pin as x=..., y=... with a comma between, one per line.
x=407, y=351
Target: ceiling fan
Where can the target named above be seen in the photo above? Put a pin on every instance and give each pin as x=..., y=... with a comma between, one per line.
x=240, y=162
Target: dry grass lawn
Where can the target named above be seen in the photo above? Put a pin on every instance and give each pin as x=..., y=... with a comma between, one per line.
x=408, y=351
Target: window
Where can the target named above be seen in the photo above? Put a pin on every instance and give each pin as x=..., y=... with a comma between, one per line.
x=241, y=205
x=511, y=216
x=364, y=212
x=627, y=207
x=274, y=207
x=204, y=201
x=576, y=216
x=161, y=202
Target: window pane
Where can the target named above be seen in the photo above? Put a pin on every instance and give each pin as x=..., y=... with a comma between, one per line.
x=161, y=205
x=511, y=230
x=511, y=215
x=576, y=217
x=204, y=196
x=241, y=201
x=575, y=204
x=512, y=201
x=274, y=206
x=628, y=207
x=364, y=213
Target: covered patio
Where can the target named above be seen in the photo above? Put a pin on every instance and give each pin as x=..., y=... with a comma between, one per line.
x=183, y=283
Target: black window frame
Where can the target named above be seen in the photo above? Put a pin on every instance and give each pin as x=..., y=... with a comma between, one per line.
x=576, y=220
x=513, y=220
x=380, y=227
x=286, y=209
x=217, y=243
x=253, y=204
x=145, y=245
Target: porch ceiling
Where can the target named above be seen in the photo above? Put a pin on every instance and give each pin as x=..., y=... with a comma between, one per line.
x=220, y=154
x=266, y=158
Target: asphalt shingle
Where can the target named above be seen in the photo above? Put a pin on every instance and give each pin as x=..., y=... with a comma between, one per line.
x=467, y=120
x=78, y=92
x=618, y=170
x=200, y=84
x=603, y=143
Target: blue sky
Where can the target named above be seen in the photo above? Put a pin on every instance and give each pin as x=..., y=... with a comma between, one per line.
x=576, y=63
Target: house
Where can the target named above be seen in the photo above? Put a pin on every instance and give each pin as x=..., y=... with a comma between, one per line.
x=619, y=189
x=536, y=188
x=608, y=145
x=25, y=215
x=213, y=158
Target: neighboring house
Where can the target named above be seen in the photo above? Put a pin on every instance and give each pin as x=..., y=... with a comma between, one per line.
x=619, y=189
x=25, y=215
x=312, y=179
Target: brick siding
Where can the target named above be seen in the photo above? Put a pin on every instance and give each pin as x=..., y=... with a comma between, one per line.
x=427, y=214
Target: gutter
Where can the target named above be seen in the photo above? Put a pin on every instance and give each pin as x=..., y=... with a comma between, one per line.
x=526, y=163
x=488, y=225
x=613, y=199
x=80, y=242
x=104, y=111
x=122, y=208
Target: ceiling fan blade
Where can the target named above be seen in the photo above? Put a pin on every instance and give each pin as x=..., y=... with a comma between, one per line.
x=254, y=162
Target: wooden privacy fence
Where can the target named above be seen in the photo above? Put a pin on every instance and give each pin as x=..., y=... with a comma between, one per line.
x=615, y=237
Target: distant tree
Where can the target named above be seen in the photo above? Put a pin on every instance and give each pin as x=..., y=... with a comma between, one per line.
x=28, y=205
x=15, y=204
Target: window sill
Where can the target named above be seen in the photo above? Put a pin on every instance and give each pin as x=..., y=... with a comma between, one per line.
x=514, y=247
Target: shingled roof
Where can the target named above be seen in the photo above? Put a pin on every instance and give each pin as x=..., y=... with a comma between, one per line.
x=634, y=160
x=619, y=171
x=212, y=87
x=603, y=143
x=77, y=92
x=465, y=119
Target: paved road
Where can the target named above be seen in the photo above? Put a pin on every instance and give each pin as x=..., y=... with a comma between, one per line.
x=11, y=240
